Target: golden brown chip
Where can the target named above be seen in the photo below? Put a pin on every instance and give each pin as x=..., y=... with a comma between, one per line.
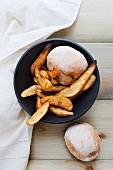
x=38, y=114
x=35, y=80
x=43, y=82
x=44, y=74
x=39, y=90
x=54, y=82
x=30, y=91
x=53, y=73
x=79, y=84
x=89, y=83
x=37, y=72
x=39, y=62
x=59, y=101
x=38, y=103
x=55, y=88
x=60, y=112
x=40, y=94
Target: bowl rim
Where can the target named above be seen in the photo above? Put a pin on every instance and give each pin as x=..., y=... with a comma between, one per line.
x=48, y=40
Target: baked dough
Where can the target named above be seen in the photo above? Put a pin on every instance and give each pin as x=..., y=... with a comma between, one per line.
x=70, y=62
x=83, y=141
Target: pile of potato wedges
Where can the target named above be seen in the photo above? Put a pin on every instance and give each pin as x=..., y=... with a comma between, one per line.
x=52, y=95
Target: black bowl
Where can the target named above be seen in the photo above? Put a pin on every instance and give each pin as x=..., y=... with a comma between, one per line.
x=23, y=79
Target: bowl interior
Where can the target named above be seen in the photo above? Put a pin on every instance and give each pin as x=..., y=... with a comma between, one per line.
x=23, y=79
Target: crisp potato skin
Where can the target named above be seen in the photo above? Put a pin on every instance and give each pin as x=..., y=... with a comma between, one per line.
x=59, y=101
x=30, y=91
x=55, y=88
x=89, y=83
x=60, y=112
x=38, y=103
x=79, y=84
x=54, y=81
x=39, y=62
x=43, y=82
x=44, y=74
x=53, y=73
x=40, y=94
x=38, y=114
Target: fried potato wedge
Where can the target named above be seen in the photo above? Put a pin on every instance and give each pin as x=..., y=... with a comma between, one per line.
x=89, y=83
x=43, y=82
x=37, y=72
x=60, y=112
x=53, y=73
x=40, y=94
x=54, y=82
x=79, y=84
x=39, y=90
x=35, y=80
x=59, y=101
x=55, y=88
x=44, y=74
x=30, y=91
x=39, y=62
x=38, y=114
x=38, y=103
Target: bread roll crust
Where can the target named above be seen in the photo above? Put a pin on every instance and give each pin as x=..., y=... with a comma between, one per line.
x=83, y=141
x=70, y=62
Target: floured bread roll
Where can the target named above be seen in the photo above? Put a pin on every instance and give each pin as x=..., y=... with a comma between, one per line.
x=83, y=141
x=69, y=61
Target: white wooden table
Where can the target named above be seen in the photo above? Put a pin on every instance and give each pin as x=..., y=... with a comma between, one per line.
x=94, y=30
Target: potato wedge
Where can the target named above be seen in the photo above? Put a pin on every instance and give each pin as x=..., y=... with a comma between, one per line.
x=30, y=91
x=39, y=90
x=43, y=82
x=37, y=72
x=44, y=74
x=38, y=114
x=54, y=82
x=60, y=112
x=79, y=84
x=55, y=88
x=35, y=80
x=59, y=101
x=40, y=94
x=89, y=83
x=38, y=103
x=53, y=73
x=39, y=62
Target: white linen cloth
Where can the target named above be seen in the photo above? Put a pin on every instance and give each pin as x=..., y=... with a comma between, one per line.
x=22, y=24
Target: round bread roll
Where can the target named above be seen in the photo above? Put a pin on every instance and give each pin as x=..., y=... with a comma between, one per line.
x=70, y=62
x=83, y=141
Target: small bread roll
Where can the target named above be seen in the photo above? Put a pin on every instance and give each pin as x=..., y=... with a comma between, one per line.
x=70, y=62
x=83, y=141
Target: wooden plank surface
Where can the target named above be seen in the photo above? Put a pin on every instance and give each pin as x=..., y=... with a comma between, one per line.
x=69, y=165
x=103, y=53
x=48, y=142
x=94, y=23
